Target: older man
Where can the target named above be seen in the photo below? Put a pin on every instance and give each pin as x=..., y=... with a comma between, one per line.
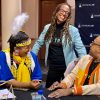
x=84, y=78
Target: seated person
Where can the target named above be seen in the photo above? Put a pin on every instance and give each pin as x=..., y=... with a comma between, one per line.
x=18, y=66
x=84, y=79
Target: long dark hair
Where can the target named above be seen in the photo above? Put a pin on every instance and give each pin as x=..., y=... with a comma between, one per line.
x=13, y=40
x=52, y=28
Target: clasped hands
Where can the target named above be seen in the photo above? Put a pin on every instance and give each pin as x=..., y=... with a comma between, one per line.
x=61, y=91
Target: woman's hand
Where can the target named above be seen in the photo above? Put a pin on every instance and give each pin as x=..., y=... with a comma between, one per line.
x=60, y=92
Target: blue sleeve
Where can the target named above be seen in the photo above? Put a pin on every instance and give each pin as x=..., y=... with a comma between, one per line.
x=37, y=73
x=38, y=44
x=5, y=73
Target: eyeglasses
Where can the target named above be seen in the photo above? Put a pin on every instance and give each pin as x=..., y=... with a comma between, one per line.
x=66, y=12
x=93, y=42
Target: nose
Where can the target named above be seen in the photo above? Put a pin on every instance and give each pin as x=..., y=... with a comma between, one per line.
x=28, y=49
x=64, y=12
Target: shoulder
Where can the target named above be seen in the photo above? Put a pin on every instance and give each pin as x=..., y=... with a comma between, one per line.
x=86, y=58
x=73, y=28
x=2, y=53
x=33, y=55
x=74, y=31
x=84, y=61
x=2, y=56
x=47, y=25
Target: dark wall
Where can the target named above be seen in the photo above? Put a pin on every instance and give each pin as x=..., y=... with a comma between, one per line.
x=87, y=20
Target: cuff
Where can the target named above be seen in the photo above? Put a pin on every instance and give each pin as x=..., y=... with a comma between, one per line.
x=63, y=85
x=78, y=90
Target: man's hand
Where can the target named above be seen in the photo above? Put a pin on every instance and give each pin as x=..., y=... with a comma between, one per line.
x=60, y=92
x=54, y=86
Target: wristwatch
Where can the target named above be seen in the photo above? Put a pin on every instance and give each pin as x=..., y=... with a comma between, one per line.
x=72, y=90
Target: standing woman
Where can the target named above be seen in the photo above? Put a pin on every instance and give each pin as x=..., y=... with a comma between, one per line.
x=61, y=40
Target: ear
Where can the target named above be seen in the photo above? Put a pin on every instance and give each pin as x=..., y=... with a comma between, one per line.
x=16, y=51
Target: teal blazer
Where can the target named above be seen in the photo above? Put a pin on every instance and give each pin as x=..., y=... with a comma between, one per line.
x=68, y=50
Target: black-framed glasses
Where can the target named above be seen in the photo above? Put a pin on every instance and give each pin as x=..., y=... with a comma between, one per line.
x=93, y=42
x=62, y=10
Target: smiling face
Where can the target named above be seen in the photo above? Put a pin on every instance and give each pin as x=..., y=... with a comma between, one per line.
x=62, y=14
x=95, y=49
x=23, y=51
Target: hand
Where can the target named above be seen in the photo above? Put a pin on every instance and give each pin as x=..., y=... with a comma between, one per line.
x=60, y=92
x=54, y=86
x=35, y=84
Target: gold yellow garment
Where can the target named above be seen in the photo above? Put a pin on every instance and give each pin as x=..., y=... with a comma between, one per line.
x=22, y=73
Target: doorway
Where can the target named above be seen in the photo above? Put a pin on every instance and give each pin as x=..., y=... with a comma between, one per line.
x=46, y=8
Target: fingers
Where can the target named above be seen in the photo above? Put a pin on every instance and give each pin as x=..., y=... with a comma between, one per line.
x=59, y=93
x=54, y=95
x=54, y=86
x=35, y=84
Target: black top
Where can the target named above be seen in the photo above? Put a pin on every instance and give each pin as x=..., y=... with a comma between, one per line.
x=56, y=56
